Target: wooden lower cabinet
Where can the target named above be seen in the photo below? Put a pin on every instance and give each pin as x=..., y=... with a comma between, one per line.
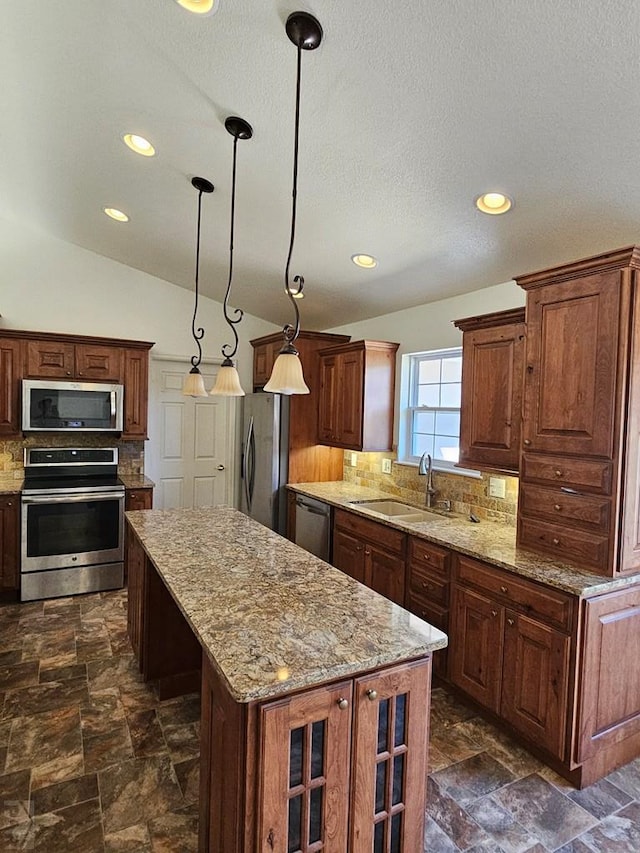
x=428, y=589
x=514, y=665
x=334, y=768
x=9, y=543
x=371, y=553
x=141, y=498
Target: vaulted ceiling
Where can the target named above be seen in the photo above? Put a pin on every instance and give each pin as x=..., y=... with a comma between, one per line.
x=409, y=111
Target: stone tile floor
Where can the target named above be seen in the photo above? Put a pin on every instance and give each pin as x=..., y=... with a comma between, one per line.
x=91, y=761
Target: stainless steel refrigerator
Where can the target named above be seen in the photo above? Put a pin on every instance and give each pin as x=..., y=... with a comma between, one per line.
x=264, y=463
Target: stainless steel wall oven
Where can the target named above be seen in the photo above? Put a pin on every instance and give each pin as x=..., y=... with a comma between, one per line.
x=72, y=522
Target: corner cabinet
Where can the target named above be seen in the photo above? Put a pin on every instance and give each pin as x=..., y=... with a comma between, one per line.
x=338, y=767
x=308, y=462
x=579, y=496
x=40, y=355
x=491, y=404
x=357, y=386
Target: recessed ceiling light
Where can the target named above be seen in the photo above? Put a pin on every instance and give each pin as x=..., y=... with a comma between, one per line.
x=200, y=7
x=139, y=144
x=367, y=262
x=116, y=214
x=494, y=203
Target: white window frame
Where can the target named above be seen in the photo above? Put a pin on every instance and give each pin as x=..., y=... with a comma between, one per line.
x=409, y=385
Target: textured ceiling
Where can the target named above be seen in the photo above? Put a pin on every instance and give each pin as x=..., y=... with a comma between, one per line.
x=409, y=111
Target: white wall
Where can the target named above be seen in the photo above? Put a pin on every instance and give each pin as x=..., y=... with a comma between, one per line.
x=49, y=285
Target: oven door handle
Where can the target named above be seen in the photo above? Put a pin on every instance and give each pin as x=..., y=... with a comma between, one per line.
x=75, y=498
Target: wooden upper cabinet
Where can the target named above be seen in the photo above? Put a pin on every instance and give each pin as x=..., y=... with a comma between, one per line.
x=357, y=388
x=491, y=405
x=55, y=359
x=308, y=461
x=571, y=365
x=136, y=393
x=10, y=376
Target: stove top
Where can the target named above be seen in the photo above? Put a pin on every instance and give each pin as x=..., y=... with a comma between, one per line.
x=71, y=470
x=60, y=485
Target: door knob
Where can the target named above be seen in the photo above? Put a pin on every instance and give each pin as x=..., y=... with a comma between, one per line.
x=220, y=467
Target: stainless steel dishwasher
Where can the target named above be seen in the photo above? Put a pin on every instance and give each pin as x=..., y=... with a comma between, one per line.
x=313, y=526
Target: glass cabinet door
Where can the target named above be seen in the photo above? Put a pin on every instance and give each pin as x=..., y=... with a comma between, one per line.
x=306, y=743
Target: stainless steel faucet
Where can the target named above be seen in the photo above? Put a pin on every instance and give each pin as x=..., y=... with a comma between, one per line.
x=426, y=468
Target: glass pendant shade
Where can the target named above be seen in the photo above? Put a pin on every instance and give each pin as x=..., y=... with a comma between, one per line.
x=193, y=385
x=286, y=376
x=227, y=381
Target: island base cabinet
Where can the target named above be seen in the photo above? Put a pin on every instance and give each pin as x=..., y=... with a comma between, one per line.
x=337, y=768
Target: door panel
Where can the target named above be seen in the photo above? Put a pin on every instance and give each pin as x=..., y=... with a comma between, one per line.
x=570, y=375
x=190, y=439
x=476, y=656
x=535, y=679
x=351, y=398
x=386, y=573
x=348, y=555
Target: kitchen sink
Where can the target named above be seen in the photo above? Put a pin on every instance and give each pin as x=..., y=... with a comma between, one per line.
x=396, y=510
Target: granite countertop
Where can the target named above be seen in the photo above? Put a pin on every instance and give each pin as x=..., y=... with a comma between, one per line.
x=490, y=541
x=9, y=485
x=272, y=617
x=136, y=481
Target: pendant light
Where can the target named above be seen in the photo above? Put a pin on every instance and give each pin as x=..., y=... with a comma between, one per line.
x=227, y=380
x=193, y=385
x=286, y=378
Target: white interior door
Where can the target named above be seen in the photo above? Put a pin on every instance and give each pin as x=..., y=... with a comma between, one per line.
x=191, y=449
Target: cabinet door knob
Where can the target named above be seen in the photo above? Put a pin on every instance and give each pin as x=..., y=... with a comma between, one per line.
x=494, y=613
x=426, y=585
x=558, y=472
x=511, y=622
x=556, y=541
x=527, y=441
x=358, y=547
x=557, y=507
x=343, y=703
x=68, y=373
x=504, y=590
x=368, y=553
x=372, y=695
x=9, y=503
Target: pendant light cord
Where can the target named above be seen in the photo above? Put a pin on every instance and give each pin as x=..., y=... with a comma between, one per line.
x=292, y=332
x=227, y=350
x=198, y=334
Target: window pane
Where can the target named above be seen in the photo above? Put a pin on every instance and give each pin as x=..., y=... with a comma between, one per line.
x=295, y=757
x=396, y=833
x=425, y=422
x=422, y=444
x=383, y=723
x=447, y=448
x=428, y=395
x=452, y=369
x=317, y=749
x=294, y=841
x=429, y=370
x=378, y=838
x=450, y=395
x=398, y=779
x=315, y=815
x=447, y=423
x=381, y=786
x=401, y=703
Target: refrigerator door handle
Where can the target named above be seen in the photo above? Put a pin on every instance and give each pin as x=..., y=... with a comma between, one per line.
x=249, y=464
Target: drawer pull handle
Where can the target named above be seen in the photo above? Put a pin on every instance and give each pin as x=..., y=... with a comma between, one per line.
x=556, y=541
x=558, y=472
x=343, y=703
x=494, y=613
x=557, y=507
x=511, y=622
x=527, y=441
x=372, y=695
x=504, y=590
x=426, y=585
x=426, y=557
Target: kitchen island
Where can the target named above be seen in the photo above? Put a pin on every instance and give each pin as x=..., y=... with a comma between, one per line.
x=315, y=689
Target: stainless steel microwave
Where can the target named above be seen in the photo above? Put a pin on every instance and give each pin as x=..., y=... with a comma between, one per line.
x=52, y=406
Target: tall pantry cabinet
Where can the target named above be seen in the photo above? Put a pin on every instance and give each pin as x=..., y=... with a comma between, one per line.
x=579, y=485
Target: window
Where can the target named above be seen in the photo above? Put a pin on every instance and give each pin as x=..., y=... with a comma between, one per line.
x=432, y=415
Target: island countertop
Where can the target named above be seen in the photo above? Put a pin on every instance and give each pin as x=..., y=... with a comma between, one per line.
x=271, y=617
x=489, y=541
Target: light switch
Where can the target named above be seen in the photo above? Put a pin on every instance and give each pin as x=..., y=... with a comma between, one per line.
x=496, y=487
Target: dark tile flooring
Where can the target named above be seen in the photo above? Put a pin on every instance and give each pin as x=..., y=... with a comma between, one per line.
x=91, y=760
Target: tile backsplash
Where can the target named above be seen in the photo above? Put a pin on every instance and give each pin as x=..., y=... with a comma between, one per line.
x=467, y=494
x=130, y=453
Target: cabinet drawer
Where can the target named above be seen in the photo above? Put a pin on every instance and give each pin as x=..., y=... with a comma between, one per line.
x=583, y=474
x=430, y=556
x=550, y=605
x=560, y=506
x=390, y=539
x=431, y=613
x=577, y=546
x=427, y=585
